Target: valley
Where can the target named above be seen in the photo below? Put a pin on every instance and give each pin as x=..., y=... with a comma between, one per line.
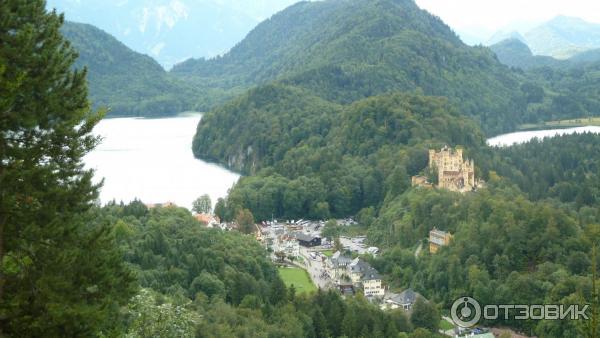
x=357, y=171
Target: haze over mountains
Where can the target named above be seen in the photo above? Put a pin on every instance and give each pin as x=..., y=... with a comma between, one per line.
x=173, y=30
x=561, y=37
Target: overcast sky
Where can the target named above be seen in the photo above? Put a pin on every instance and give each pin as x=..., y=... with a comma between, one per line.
x=485, y=16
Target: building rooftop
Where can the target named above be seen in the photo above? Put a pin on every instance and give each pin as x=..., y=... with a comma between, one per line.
x=339, y=260
x=438, y=232
x=303, y=237
x=408, y=296
x=371, y=274
x=358, y=265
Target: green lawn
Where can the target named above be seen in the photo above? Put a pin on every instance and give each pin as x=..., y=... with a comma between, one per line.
x=445, y=325
x=327, y=253
x=297, y=277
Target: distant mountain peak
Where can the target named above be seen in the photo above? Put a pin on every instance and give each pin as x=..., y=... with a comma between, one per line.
x=505, y=35
x=563, y=37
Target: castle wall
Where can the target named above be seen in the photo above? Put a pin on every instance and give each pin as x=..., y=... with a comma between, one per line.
x=453, y=172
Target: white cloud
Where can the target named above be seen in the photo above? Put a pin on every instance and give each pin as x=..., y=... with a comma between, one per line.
x=144, y=19
x=161, y=15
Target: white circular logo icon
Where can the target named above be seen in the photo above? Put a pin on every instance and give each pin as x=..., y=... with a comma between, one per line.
x=465, y=312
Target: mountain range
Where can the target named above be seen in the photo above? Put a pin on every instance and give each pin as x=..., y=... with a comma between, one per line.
x=562, y=37
x=342, y=51
x=338, y=52
x=515, y=52
x=173, y=30
x=314, y=60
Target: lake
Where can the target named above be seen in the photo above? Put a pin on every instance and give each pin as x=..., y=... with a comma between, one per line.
x=152, y=160
x=524, y=136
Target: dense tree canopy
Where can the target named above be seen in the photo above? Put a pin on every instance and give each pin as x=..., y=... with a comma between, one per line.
x=566, y=168
x=60, y=274
x=368, y=153
x=210, y=283
x=505, y=250
x=126, y=82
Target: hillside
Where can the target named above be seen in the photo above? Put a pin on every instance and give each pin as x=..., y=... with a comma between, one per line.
x=589, y=56
x=563, y=37
x=355, y=108
x=334, y=163
x=344, y=51
x=126, y=82
x=516, y=53
x=166, y=29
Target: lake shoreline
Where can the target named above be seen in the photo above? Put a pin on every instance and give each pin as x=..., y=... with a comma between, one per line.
x=151, y=159
x=519, y=137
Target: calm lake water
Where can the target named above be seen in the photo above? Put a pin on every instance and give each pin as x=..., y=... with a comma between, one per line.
x=152, y=160
x=524, y=136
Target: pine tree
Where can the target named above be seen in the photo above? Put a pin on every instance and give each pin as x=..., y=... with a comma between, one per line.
x=60, y=274
x=277, y=292
x=319, y=323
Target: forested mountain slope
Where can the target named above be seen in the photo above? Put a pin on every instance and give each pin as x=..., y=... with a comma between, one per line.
x=339, y=162
x=516, y=53
x=309, y=134
x=126, y=82
x=346, y=50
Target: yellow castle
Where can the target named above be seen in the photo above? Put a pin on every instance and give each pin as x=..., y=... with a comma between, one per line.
x=453, y=172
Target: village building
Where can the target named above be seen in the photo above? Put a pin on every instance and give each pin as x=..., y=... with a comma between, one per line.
x=372, y=284
x=286, y=244
x=404, y=300
x=357, y=273
x=161, y=205
x=211, y=221
x=346, y=288
x=307, y=240
x=337, y=265
x=438, y=239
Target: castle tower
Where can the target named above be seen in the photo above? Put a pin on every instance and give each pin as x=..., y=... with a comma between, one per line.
x=454, y=173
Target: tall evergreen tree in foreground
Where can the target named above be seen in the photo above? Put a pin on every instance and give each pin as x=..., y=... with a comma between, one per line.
x=59, y=274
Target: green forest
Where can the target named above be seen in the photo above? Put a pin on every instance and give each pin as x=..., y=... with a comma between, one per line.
x=194, y=282
x=328, y=129
x=72, y=268
x=342, y=52
x=123, y=81
x=126, y=83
